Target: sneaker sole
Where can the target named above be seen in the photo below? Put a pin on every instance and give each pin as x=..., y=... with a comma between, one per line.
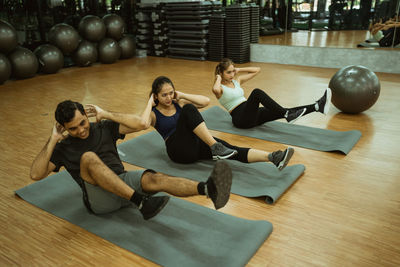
x=217, y=157
x=222, y=178
x=301, y=115
x=328, y=101
x=285, y=161
x=166, y=199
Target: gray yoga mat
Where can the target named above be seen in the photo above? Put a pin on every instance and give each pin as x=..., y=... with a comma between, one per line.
x=372, y=43
x=291, y=134
x=369, y=44
x=182, y=234
x=259, y=179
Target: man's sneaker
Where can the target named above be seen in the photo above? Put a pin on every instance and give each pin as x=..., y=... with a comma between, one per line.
x=151, y=206
x=295, y=114
x=219, y=151
x=325, y=102
x=281, y=158
x=218, y=186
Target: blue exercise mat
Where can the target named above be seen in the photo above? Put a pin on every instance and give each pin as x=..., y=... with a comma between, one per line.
x=259, y=179
x=182, y=234
x=291, y=134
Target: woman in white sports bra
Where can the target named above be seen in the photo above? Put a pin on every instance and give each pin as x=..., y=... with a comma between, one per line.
x=247, y=113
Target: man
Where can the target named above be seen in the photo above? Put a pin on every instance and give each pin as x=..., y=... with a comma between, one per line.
x=89, y=154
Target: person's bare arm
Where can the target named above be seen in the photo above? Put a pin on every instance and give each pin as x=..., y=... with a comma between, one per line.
x=217, y=88
x=128, y=123
x=200, y=101
x=251, y=72
x=42, y=166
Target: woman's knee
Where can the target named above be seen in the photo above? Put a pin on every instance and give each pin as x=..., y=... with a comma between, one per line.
x=191, y=116
x=189, y=108
x=258, y=92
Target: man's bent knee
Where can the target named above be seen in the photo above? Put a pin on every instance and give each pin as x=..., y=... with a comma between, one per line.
x=89, y=157
x=86, y=164
x=151, y=181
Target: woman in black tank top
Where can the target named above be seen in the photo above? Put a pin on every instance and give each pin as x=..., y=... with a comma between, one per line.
x=175, y=116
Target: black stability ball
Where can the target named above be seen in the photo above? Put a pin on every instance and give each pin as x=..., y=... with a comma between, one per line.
x=8, y=37
x=115, y=26
x=92, y=28
x=128, y=46
x=354, y=89
x=65, y=37
x=50, y=58
x=109, y=51
x=5, y=69
x=24, y=63
x=86, y=54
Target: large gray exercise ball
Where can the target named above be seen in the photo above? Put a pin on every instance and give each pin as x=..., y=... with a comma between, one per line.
x=109, y=51
x=115, y=26
x=5, y=68
x=8, y=37
x=354, y=89
x=50, y=58
x=86, y=54
x=65, y=37
x=92, y=28
x=24, y=63
x=128, y=46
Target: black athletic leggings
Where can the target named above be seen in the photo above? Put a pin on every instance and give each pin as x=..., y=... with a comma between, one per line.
x=250, y=114
x=183, y=146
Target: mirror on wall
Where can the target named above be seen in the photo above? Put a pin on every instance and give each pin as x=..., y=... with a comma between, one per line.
x=334, y=23
x=319, y=23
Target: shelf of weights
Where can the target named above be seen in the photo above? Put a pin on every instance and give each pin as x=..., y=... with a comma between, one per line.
x=238, y=32
x=152, y=29
x=188, y=24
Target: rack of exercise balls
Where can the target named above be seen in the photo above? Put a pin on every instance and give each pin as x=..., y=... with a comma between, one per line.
x=96, y=39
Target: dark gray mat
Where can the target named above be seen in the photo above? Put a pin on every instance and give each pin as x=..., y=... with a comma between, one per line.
x=291, y=134
x=369, y=44
x=372, y=43
x=250, y=180
x=183, y=234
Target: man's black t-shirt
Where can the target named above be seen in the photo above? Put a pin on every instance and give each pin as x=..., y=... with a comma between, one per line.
x=101, y=140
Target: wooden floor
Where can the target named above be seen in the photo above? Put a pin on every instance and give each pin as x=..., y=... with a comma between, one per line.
x=343, y=211
x=337, y=39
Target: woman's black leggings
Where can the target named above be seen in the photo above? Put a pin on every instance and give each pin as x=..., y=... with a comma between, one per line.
x=250, y=114
x=183, y=146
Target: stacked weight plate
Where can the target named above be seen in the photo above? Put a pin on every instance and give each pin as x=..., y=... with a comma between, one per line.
x=254, y=23
x=216, y=44
x=144, y=31
x=237, y=33
x=188, y=24
x=152, y=29
x=160, y=31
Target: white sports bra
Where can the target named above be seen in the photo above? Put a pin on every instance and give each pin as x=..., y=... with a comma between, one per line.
x=232, y=97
